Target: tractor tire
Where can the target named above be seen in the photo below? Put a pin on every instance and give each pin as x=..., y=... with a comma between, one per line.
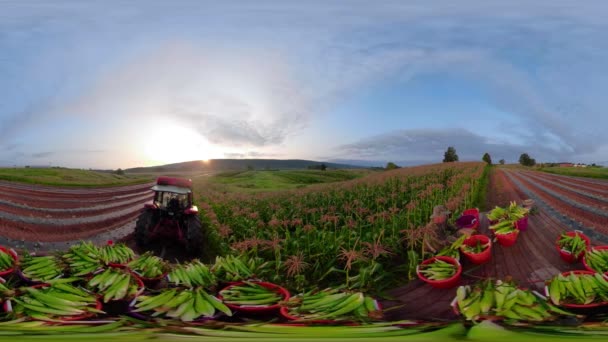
x=144, y=223
x=194, y=235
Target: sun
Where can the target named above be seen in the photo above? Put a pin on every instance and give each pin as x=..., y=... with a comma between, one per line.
x=170, y=143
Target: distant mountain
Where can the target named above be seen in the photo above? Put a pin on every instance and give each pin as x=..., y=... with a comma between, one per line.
x=382, y=163
x=239, y=164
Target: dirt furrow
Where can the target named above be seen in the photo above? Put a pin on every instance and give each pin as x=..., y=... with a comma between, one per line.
x=63, y=213
x=117, y=233
x=571, y=216
x=60, y=189
x=594, y=210
x=71, y=221
x=594, y=189
x=19, y=230
x=93, y=193
x=583, y=180
x=576, y=190
x=72, y=203
x=572, y=194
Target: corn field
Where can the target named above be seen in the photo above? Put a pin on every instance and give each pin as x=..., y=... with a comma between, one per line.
x=367, y=233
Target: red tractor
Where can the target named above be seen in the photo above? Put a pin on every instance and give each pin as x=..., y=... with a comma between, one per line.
x=171, y=215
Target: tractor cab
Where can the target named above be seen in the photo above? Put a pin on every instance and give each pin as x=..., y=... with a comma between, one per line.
x=170, y=214
x=172, y=196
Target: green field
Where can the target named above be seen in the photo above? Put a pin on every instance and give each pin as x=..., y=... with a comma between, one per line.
x=280, y=179
x=68, y=177
x=589, y=172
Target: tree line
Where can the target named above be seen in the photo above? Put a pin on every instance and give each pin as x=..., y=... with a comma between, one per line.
x=450, y=156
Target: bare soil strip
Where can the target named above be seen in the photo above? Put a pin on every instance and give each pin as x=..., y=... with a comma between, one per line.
x=70, y=194
x=584, y=215
x=72, y=190
x=595, y=189
x=565, y=192
x=75, y=231
x=74, y=202
x=572, y=188
x=62, y=213
x=603, y=183
x=32, y=215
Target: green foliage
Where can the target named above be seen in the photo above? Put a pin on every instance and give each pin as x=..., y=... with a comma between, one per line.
x=486, y=158
x=362, y=233
x=69, y=177
x=525, y=160
x=263, y=180
x=391, y=166
x=321, y=167
x=481, y=189
x=589, y=172
x=502, y=162
x=450, y=155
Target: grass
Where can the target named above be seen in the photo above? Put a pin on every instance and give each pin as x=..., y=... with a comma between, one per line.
x=271, y=180
x=68, y=177
x=479, y=197
x=589, y=172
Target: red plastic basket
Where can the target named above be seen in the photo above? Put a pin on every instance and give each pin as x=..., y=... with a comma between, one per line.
x=587, y=267
x=576, y=306
x=152, y=282
x=467, y=221
x=508, y=239
x=566, y=255
x=478, y=258
x=259, y=309
x=522, y=223
x=15, y=257
x=472, y=211
x=444, y=283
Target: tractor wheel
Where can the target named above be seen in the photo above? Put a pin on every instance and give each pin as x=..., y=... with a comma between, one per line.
x=194, y=235
x=144, y=223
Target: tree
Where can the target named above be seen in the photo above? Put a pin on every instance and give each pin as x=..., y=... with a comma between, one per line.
x=525, y=160
x=391, y=166
x=250, y=167
x=323, y=167
x=120, y=172
x=486, y=158
x=450, y=155
x=502, y=162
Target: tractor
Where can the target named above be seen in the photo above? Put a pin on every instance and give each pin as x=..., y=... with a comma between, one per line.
x=172, y=215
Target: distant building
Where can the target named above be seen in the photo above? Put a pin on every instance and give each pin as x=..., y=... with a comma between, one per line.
x=580, y=165
x=566, y=164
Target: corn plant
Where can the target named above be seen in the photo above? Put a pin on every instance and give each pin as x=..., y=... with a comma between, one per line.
x=363, y=233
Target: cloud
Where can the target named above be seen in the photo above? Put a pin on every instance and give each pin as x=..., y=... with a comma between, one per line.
x=42, y=154
x=9, y=147
x=428, y=145
x=254, y=88
x=250, y=154
x=231, y=101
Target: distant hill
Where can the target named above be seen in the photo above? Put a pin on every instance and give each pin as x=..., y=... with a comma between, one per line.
x=60, y=176
x=239, y=164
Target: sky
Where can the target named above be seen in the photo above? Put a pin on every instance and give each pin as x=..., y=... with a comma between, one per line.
x=118, y=84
